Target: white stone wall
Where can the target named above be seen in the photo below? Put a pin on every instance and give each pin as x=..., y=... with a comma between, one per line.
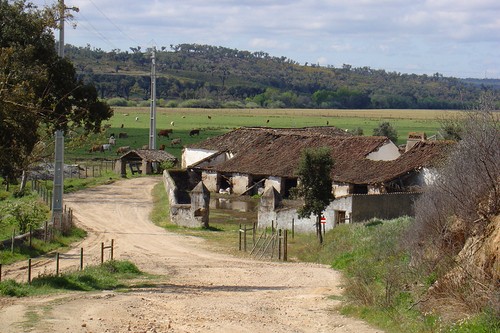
x=210, y=180
x=192, y=155
x=387, y=152
x=340, y=190
x=275, y=182
x=239, y=183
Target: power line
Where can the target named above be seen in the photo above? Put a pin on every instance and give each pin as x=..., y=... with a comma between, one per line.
x=97, y=32
x=117, y=27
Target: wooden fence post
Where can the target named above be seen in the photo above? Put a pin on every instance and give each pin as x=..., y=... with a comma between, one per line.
x=279, y=244
x=29, y=271
x=12, y=241
x=81, y=259
x=285, y=246
x=112, y=245
x=102, y=253
x=239, y=237
x=0, y=272
x=293, y=228
x=57, y=263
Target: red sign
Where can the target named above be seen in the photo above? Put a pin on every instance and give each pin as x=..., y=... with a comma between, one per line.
x=323, y=219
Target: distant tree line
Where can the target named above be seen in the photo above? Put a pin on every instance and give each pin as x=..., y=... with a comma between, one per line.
x=256, y=79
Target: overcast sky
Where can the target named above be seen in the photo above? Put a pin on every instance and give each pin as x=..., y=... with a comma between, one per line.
x=459, y=38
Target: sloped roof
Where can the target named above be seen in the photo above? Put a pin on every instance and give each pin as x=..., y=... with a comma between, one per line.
x=249, y=137
x=424, y=154
x=277, y=152
x=150, y=155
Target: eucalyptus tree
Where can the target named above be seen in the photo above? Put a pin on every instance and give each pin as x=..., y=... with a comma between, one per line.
x=39, y=91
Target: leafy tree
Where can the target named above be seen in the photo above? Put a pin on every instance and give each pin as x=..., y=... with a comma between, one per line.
x=315, y=184
x=386, y=129
x=25, y=214
x=39, y=91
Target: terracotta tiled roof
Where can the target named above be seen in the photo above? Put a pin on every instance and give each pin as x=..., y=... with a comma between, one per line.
x=277, y=152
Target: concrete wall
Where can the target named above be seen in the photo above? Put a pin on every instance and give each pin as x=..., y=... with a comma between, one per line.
x=240, y=183
x=340, y=190
x=187, y=215
x=387, y=152
x=274, y=182
x=211, y=180
x=383, y=206
x=357, y=208
x=191, y=156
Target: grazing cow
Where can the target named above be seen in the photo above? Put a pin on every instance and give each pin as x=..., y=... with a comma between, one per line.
x=267, y=121
x=122, y=135
x=172, y=123
x=122, y=150
x=106, y=146
x=136, y=118
x=162, y=147
x=96, y=148
x=209, y=117
x=165, y=132
x=194, y=132
x=112, y=140
x=175, y=142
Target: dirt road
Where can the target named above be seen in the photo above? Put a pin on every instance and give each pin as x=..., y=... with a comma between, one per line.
x=199, y=291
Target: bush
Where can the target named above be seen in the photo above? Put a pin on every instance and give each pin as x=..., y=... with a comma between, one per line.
x=386, y=129
x=117, y=101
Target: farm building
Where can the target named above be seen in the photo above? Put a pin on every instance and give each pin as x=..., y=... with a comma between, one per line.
x=371, y=177
x=143, y=161
x=248, y=160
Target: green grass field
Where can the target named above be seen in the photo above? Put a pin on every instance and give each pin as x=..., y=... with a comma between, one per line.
x=213, y=122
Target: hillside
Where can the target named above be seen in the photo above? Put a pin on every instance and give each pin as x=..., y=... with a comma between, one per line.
x=209, y=76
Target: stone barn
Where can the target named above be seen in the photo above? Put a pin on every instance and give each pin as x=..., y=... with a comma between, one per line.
x=143, y=161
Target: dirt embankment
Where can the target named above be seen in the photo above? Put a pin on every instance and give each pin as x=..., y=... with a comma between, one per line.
x=198, y=291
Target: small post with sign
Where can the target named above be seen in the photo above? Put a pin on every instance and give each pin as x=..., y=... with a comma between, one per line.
x=323, y=224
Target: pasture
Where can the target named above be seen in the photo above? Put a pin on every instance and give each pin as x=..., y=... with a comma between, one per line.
x=134, y=122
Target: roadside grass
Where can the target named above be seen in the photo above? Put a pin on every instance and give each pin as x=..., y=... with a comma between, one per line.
x=39, y=247
x=111, y=275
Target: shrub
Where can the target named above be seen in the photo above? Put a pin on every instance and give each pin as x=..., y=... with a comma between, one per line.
x=117, y=101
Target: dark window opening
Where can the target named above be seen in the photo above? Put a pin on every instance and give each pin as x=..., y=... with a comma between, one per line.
x=360, y=189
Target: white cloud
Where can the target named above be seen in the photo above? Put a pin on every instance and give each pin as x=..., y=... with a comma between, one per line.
x=373, y=33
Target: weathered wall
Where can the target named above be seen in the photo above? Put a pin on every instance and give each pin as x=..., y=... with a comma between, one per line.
x=190, y=215
x=239, y=183
x=357, y=208
x=191, y=156
x=383, y=206
x=340, y=190
x=387, y=152
x=274, y=182
x=211, y=180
